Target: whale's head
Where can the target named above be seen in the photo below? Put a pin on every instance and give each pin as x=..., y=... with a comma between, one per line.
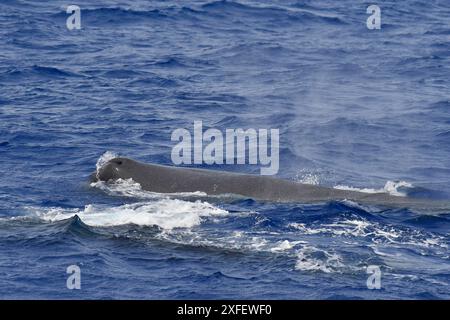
x=117, y=168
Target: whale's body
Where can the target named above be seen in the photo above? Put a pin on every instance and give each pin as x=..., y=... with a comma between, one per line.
x=169, y=179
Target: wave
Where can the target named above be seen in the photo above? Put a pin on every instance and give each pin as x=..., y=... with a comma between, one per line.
x=165, y=213
x=122, y=15
x=178, y=223
x=394, y=188
x=32, y=230
x=307, y=257
x=289, y=231
x=373, y=231
x=214, y=10
x=313, y=259
x=51, y=71
x=222, y=7
x=37, y=71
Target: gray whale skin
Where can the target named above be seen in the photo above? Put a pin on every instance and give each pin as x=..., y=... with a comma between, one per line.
x=169, y=179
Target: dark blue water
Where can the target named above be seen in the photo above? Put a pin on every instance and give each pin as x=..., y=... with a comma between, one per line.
x=355, y=108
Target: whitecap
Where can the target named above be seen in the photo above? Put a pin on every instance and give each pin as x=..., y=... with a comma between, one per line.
x=391, y=187
x=310, y=258
x=165, y=213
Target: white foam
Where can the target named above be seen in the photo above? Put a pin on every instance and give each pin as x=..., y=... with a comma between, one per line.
x=313, y=259
x=359, y=206
x=121, y=187
x=285, y=245
x=391, y=187
x=304, y=229
x=104, y=158
x=408, y=260
x=378, y=233
x=165, y=213
x=233, y=240
x=129, y=188
x=349, y=228
x=308, y=177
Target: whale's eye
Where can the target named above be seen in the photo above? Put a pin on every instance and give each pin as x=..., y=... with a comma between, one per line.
x=118, y=162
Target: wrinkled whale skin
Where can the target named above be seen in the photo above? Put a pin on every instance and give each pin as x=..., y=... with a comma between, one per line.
x=170, y=179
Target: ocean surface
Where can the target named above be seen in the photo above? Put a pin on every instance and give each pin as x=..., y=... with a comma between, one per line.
x=356, y=108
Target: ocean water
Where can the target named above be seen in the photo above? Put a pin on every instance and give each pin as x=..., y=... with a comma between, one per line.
x=356, y=108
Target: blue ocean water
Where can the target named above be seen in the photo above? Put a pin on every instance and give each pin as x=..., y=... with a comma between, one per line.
x=356, y=108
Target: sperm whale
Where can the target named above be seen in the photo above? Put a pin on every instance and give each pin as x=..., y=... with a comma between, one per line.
x=170, y=179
